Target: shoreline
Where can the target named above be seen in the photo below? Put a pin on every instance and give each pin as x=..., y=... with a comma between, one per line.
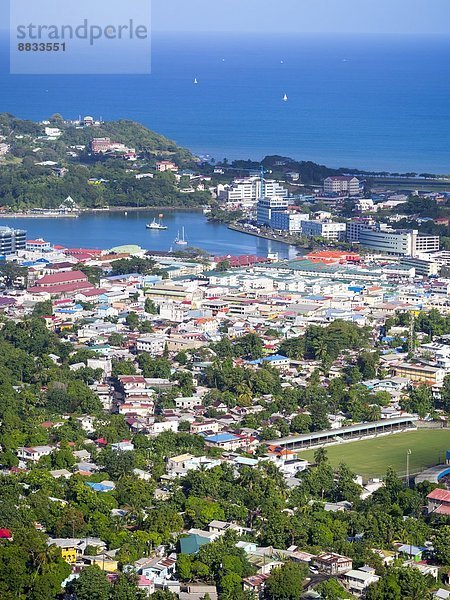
x=88, y=211
x=113, y=209
x=265, y=236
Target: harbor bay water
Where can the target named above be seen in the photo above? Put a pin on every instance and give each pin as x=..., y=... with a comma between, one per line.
x=106, y=230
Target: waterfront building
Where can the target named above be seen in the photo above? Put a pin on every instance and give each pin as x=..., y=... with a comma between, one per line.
x=403, y=242
x=328, y=230
x=354, y=228
x=288, y=221
x=12, y=240
x=41, y=245
x=342, y=185
x=249, y=189
x=267, y=207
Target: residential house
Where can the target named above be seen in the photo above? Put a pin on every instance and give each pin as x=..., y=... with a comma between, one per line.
x=161, y=570
x=34, y=453
x=177, y=466
x=146, y=585
x=209, y=426
x=358, y=580
x=332, y=564
x=439, y=502
x=198, y=591
x=255, y=584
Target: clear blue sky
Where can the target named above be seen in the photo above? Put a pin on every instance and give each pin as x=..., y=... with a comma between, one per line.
x=331, y=16
x=292, y=16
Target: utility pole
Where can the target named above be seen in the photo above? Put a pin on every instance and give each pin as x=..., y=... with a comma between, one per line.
x=408, y=452
x=411, y=334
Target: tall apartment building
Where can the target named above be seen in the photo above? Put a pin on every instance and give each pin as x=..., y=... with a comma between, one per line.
x=12, y=240
x=342, y=185
x=403, y=242
x=326, y=229
x=267, y=207
x=288, y=221
x=249, y=189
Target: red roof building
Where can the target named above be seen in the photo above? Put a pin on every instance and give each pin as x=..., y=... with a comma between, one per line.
x=62, y=283
x=65, y=277
x=5, y=534
x=439, y=502
x=82, y=252
x=333, y=256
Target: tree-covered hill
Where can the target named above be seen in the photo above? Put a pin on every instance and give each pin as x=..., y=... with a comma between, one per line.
x=130, y=133
x=29, y=175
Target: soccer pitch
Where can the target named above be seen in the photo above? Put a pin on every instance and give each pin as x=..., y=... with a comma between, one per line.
x=371, y=458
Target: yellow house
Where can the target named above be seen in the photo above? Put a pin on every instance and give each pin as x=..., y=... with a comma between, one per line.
x=69, y=555
x=104, y=562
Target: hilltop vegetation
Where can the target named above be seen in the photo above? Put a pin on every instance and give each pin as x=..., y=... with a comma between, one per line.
x=92, y=180
x=129, y=133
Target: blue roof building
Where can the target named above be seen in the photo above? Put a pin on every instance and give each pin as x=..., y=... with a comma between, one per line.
x=226, y=441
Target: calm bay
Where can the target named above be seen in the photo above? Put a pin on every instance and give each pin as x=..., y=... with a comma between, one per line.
x=106, y=230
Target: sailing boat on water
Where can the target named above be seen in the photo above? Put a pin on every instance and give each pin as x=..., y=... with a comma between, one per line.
x=181, y=241
x=285, y=98
x=195, y=81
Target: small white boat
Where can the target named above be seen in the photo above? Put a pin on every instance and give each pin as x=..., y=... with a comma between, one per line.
x=156, y=225
x=181, y=241
x=195, y=81
x=285, y=98
x=206, y=211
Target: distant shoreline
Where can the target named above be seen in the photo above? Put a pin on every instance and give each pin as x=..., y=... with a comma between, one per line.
x=113, y=209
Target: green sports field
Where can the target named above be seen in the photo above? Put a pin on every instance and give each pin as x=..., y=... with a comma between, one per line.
x=371, y=458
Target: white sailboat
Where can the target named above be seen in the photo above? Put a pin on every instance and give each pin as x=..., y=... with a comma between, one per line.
x=181, y=241
x=285, y=98
x=195, y=81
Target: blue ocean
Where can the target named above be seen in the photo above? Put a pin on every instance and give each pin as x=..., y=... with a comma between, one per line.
x=375, y=102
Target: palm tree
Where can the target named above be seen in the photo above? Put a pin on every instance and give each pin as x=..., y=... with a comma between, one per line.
x=320, y=455
x=320, y=348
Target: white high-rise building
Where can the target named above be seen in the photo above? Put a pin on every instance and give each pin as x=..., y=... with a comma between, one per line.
x=403, y=242
x=12, y=240
x=249, y=189
x=267, y=207
x=328, y=230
